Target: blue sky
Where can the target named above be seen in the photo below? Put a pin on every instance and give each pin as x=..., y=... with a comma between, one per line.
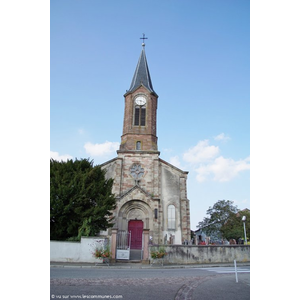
x=198, y=54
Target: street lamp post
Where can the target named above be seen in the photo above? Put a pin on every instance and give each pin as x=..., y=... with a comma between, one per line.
x=244, y=221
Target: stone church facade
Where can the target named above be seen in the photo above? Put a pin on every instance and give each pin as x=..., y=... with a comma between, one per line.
x=151, y=194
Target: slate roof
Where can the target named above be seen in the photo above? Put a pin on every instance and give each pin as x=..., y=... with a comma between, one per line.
x=141, y=75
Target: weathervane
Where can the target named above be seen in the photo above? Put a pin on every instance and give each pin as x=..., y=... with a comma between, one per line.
x=143, y=38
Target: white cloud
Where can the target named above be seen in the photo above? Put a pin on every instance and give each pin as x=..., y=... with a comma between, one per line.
x=205, y=159
x=202, y=152
x=222, y=169
x=202, y=172
x=222, y=137
x=56, y=156
x=104, y=149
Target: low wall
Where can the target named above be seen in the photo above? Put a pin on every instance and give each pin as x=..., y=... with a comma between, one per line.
x=177, y=254
x=74, y=251
x=180, y=254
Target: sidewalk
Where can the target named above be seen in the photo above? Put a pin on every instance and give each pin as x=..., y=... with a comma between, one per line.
x=139, y=265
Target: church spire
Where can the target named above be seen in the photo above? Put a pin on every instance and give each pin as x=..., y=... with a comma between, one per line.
x=139, y=126
x=141, y=75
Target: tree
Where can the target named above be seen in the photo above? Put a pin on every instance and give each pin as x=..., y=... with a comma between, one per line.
x=219, y=214
x=234, y=229
x=81, y=201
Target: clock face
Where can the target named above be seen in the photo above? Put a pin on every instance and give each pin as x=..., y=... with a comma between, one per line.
x=140, y=100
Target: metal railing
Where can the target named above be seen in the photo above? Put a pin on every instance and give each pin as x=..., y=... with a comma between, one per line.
x=123, y=240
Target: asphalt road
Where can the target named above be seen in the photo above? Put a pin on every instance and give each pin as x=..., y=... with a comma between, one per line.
x=159, y=284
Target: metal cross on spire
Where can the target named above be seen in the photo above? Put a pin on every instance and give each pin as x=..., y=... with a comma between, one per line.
x=143, y=38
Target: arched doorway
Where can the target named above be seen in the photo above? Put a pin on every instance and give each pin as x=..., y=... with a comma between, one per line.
x=135, y=210
x=136, y=229
x=135, y=216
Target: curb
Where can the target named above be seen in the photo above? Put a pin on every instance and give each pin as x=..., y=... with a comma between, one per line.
x=141, y=266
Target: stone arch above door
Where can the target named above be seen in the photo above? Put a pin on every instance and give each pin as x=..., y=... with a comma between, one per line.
x=135, y=210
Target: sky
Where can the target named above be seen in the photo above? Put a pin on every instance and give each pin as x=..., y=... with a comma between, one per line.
x=198, y=54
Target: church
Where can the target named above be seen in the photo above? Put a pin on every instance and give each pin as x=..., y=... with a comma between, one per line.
x=151, y=194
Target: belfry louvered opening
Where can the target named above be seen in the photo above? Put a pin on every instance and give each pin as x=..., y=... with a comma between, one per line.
x=140, y=116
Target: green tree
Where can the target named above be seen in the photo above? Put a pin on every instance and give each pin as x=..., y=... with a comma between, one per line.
x=81, y=201
x=218, y=216
x=234, y=228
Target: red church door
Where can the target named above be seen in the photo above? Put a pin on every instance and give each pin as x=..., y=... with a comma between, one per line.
x=136, y=228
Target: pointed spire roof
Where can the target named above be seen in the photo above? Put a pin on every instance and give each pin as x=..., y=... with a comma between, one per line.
x=141, y=75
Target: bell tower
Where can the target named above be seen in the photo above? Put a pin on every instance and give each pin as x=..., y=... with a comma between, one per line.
x=139, y=126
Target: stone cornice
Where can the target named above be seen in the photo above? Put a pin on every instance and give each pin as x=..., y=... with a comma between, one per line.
x=139, y=151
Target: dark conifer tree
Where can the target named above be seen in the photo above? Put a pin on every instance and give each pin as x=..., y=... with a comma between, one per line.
x=81, y=199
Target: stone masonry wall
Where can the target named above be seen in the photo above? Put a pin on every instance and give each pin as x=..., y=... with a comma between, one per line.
x=180, y=254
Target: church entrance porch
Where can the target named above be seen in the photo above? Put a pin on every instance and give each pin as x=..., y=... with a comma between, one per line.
x=135, y=218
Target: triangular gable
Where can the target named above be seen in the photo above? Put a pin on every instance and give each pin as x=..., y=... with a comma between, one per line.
x=135, y=192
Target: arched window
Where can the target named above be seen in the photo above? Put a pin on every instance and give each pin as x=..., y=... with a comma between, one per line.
x=171, y=217
x=139, y=115
x=138, y=145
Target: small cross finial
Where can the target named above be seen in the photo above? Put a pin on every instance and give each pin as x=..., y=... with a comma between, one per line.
x=143, y=38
